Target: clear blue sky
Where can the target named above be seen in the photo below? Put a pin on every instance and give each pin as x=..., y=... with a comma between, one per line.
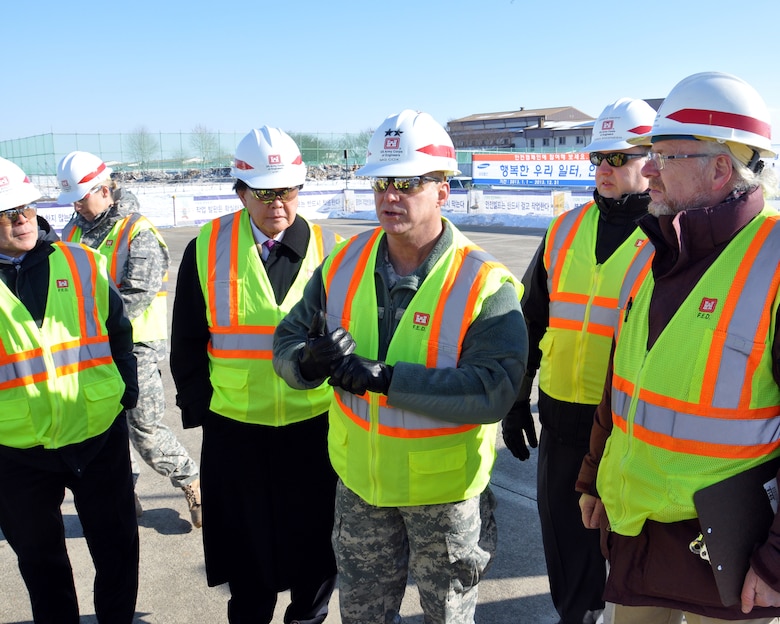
x=169, y=66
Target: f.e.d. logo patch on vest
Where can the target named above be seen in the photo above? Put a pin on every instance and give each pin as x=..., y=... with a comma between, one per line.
x=62, y=284
x=421, y=320
x=109, y=242
x=707, y=307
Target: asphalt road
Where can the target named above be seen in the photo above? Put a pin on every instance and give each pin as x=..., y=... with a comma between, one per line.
x=173, y=587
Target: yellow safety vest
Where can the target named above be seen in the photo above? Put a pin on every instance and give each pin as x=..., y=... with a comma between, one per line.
x=242, y=315
x=389, y=456
x=583, y=306
x=701, y=404
x=152, y=323
x=58, y=383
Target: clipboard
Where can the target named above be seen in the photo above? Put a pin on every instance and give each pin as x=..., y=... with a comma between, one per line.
x=735, y=515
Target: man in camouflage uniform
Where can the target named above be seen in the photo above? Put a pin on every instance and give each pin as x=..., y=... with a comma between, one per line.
x=422, y=336
x=107, y=219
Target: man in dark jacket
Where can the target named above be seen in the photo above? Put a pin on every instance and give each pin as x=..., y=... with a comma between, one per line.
x=570, y=290
x=67, y=373
x=692, y=395
x=268, y=487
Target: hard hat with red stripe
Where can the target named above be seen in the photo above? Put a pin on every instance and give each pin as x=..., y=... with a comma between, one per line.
x=620, y=121
x=409, y=144
x=78, y=173
x=714, y=106
x=268, y=158
x=15, y=187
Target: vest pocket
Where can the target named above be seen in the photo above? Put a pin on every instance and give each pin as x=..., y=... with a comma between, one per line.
x=231, y=390
x=437, y=475
x=16, y=428
x=102, y=403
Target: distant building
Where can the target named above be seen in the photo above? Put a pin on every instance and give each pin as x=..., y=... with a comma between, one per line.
x=563, y=128
x=559, y=129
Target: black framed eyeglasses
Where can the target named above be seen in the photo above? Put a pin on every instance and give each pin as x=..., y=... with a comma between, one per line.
x=268, y=196
x=406, y=186
x=614, y=159
x=11, y=216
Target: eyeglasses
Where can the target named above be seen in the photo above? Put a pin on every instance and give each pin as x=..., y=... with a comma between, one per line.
x=268, y=196
x=615, y=159
x=660, y=159
x=407, y=186
x=94, y=189
x=11, y=216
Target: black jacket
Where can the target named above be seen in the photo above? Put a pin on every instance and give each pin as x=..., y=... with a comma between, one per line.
x=29, y=281
x=190, y=333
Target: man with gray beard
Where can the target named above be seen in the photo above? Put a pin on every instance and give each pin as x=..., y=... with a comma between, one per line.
x=692, y=395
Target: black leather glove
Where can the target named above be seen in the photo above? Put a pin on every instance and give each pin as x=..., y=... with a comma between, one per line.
x=357, y=374
x=324, y=351
x=518, y=424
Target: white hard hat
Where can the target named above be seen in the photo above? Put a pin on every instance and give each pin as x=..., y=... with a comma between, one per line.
x=715, y=106
x=625, y=119
x=409, y=144
x=268, y=158
x=15, y=187
x=79, y=172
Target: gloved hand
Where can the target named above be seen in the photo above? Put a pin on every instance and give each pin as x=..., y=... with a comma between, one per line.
x=323, y=351
x=357, y=374
x=517, y=422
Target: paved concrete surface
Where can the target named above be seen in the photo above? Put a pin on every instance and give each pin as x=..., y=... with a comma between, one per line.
x=173, y=587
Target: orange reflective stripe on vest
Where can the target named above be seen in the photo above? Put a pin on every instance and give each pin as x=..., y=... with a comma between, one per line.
x=569, y=310
x=229, y=338
x=722, y=423
x=394, y=422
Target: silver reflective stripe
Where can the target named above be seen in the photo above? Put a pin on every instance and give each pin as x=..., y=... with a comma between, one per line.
x=22, y=368
x=81, y=353
x=567, y=221
x=599, y=315
x=339, y=285
x=122, y=245
x=391, y=416
x=452, y=317
x=743, y=326
x=636, y=267
x=242, y=342
x=84, y=268
x=222, y=264
x=737, y=431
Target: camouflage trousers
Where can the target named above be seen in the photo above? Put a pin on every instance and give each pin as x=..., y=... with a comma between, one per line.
x=154, y=441
x=447, y=549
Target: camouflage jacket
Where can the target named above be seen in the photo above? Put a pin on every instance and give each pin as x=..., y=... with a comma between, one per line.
x=147, y=263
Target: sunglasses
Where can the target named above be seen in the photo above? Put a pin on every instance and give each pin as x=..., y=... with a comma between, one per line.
x=615, y=159
x=268, y=196
x=93, y=190
x=11, y=216
x=407, y=186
